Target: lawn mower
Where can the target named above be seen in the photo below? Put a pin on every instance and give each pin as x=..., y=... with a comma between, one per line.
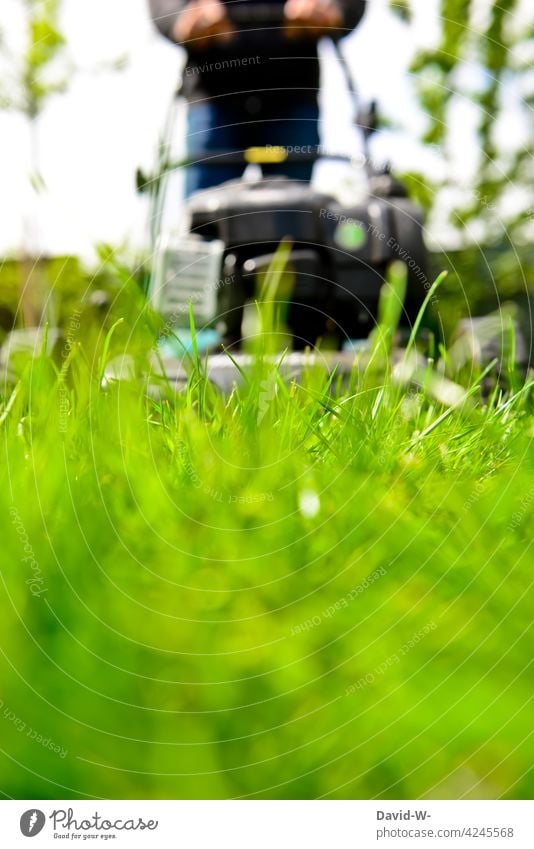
x=339, y=253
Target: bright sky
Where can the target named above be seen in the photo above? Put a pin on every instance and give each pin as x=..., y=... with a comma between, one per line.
x=94, y=137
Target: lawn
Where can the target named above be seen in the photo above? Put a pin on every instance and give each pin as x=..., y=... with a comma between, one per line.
x=314, y=589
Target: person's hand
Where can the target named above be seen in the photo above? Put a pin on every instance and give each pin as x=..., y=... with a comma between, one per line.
x=313, y=18
x=203, y=23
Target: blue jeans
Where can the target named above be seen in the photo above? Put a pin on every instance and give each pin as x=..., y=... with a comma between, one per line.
x=220, y=127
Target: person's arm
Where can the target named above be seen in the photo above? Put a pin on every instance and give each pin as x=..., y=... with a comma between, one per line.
x=195, y=24
x=315, y=18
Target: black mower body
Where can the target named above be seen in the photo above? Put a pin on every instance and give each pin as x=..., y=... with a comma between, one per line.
x=339, y=256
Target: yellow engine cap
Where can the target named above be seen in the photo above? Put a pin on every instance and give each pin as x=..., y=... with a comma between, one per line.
x=265, y=155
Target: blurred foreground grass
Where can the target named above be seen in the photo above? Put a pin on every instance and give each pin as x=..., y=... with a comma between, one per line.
x=294, y=592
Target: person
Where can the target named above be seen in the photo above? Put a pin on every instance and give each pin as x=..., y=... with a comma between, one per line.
x=251, y=84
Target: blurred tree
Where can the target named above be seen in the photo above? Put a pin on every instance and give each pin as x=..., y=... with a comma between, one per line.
x=475, y=84
x=484, y=57
x=41, y=68
x=35, y=73
x=402, y=8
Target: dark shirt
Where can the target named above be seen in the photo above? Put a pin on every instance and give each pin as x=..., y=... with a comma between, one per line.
x=260, y=62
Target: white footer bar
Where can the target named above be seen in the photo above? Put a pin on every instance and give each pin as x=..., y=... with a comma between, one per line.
x=269, y=824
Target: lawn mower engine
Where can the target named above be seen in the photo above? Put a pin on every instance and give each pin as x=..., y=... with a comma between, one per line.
x=338, y=261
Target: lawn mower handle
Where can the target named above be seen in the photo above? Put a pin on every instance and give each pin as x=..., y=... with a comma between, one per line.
x=145, y=182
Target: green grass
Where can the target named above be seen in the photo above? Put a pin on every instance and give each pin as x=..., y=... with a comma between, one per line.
x=314, y=590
